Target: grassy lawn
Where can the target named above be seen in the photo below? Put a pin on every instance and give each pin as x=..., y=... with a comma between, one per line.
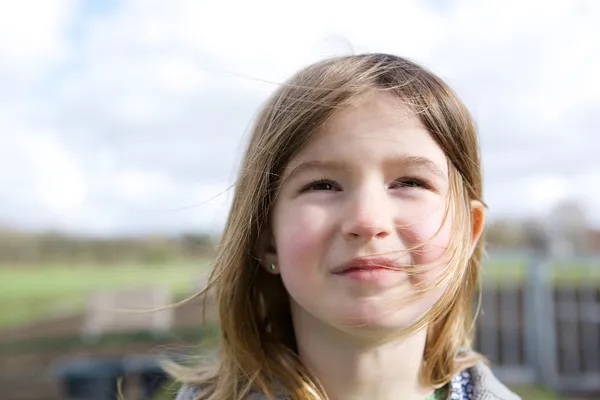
x=29, y=293
x=511, y=270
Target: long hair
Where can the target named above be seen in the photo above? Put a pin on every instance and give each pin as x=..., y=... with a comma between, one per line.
x=257, y=349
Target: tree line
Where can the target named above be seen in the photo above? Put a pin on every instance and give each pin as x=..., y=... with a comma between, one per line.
x=567, y=232
x=52, y=247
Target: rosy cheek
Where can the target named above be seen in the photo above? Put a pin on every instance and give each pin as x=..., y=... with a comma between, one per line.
x=299, y=244
x=432, y=243
x=296, y=245
x=432, y=249
x=298, y=238
x=437, y=245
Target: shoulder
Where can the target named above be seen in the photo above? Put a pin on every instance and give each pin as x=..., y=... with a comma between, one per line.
x=486, y=386
x=189, y=392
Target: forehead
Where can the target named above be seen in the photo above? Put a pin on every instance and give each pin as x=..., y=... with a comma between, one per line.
x=377, y=126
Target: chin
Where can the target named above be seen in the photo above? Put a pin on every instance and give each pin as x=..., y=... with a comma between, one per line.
x=372, y=318
x=377, y=322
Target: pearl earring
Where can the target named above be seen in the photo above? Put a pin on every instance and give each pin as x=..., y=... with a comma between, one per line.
x=272, y=267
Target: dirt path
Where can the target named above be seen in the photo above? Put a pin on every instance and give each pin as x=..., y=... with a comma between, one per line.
x=26, y=376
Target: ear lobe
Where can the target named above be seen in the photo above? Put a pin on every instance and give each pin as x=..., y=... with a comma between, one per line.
x=267, y=251
x=478, y=222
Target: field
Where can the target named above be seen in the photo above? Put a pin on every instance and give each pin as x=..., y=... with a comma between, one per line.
x=514, y=269
x=30, y=293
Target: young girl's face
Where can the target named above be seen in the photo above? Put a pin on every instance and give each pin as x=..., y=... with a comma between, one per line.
x=369, y=185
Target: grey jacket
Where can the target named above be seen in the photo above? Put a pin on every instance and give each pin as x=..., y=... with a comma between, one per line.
x=485, y=387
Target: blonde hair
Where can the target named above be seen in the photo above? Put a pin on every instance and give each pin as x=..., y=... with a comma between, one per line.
x=257, y=346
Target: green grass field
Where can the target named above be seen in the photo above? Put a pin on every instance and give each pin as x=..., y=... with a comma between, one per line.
x=562, y=273
x=28, y=293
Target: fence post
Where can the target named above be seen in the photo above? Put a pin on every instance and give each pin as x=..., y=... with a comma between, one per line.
x=539, y=311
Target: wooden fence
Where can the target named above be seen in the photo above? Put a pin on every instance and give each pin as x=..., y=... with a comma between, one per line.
x=536, y=331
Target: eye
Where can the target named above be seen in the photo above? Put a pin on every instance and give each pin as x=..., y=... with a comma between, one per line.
x=320, y=185
x=410, y=182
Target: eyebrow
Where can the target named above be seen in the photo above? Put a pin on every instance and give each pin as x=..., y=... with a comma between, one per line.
x=403, y=160
x=312, y=165
x=419, y=161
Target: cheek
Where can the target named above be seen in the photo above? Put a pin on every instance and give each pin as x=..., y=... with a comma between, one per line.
x=299, y=236
x=433, y=234
x=433, y=245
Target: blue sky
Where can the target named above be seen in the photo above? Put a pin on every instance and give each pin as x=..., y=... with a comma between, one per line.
x=130, y=116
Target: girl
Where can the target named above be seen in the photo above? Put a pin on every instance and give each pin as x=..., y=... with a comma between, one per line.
x=350, y=260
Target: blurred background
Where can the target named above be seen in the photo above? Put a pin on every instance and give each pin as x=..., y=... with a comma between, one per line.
x=122, y=124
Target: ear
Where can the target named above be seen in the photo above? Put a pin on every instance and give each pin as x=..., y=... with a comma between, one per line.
x=267, y=251
x=478, y=221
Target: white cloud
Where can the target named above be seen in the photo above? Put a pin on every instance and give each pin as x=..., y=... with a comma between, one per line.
x=152, y=101
x=41, y=178
x=61, y=185
x=32, y=38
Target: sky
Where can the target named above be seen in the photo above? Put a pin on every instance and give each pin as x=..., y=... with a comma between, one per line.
x=129, y=117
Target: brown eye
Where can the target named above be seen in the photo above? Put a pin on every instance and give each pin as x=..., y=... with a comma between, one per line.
x=410, y=183
x=320, y=185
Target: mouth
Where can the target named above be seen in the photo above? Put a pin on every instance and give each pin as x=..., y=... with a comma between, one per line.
x=368, y=265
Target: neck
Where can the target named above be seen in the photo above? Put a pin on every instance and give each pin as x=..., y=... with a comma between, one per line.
x=351, y=367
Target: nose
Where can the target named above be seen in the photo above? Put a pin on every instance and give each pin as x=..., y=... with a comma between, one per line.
x=369, y=216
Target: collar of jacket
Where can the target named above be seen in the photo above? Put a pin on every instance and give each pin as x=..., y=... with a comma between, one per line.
x=485, y=387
